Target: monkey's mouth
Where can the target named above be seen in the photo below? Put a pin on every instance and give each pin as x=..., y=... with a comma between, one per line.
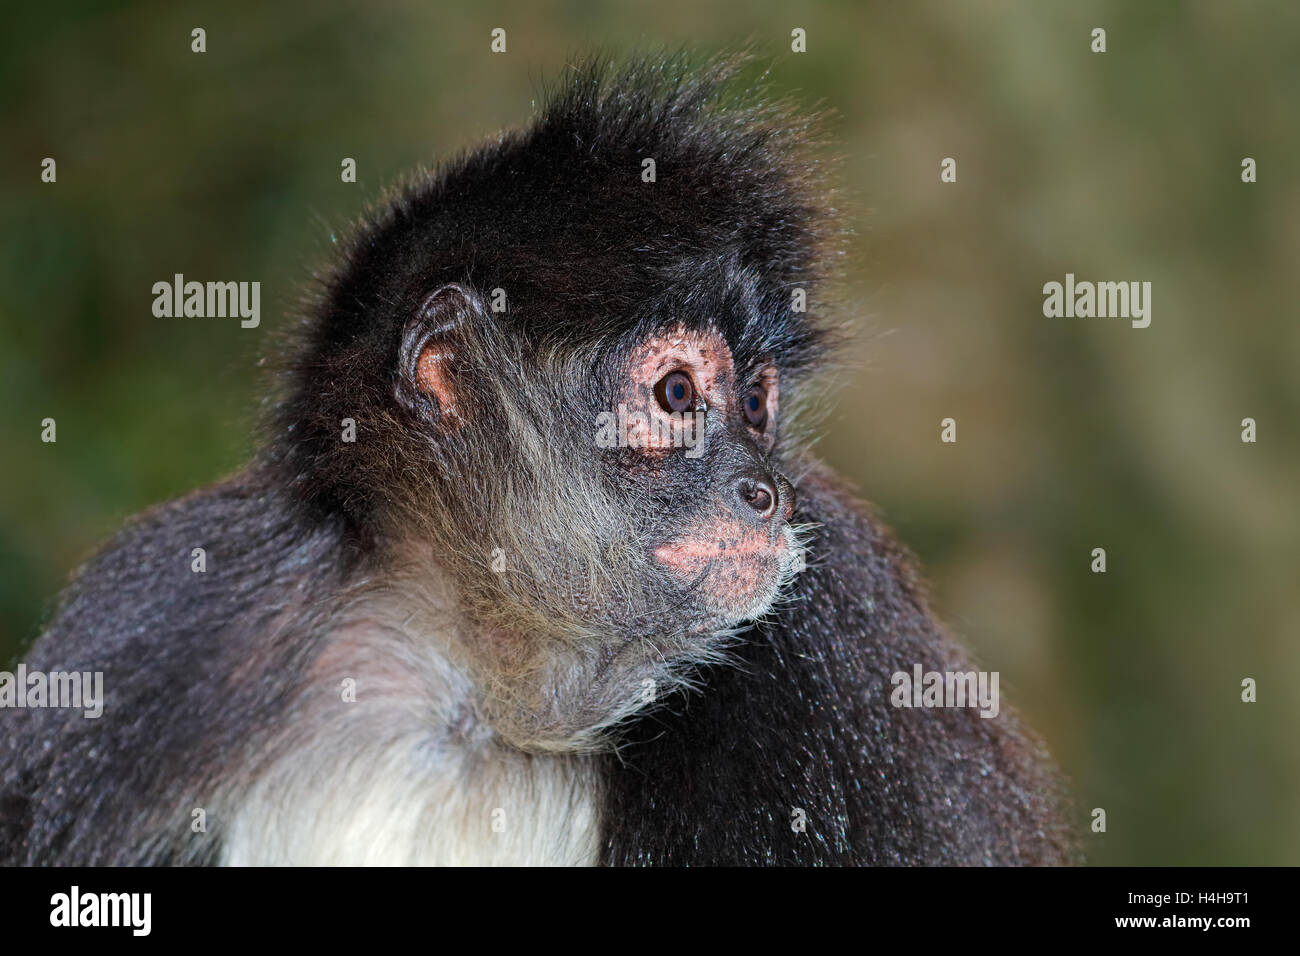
x=692, y=555
x=733, y=578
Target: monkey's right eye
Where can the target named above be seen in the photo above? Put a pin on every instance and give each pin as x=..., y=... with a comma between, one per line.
x=676, y=392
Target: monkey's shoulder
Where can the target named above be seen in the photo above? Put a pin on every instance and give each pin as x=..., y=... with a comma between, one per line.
x=166, y=619
x=183, y=573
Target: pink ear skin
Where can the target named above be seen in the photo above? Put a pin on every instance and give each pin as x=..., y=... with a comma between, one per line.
x=429, y=344
x=432, y=377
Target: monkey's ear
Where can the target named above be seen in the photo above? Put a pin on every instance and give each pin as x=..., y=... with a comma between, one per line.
x=430, y=342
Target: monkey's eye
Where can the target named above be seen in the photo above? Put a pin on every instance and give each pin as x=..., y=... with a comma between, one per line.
x=755, y=403
x=676, y=392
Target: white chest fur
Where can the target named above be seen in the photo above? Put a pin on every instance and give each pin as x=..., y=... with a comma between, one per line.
x=379, y=809
x=403, y=775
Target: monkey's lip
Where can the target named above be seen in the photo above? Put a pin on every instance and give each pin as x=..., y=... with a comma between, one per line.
x=691, y=554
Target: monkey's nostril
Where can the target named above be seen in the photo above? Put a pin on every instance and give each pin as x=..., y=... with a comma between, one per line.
x=760, y=495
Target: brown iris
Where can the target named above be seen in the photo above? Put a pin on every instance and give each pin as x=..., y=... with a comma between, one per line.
x=755, y=405
x=676, y=392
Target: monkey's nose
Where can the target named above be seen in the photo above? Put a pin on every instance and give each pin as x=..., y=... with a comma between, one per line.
x=758, y=491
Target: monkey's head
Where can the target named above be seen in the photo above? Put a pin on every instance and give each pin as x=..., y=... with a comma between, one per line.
x=570, y=358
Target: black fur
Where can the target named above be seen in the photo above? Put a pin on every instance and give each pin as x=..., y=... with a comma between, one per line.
x=193, y=664
x=803, y=721
x=593, y=260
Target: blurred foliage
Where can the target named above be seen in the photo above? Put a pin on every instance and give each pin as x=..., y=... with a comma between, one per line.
x=1073, y=434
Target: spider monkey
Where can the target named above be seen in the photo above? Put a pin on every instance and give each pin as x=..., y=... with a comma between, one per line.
x=495, y=628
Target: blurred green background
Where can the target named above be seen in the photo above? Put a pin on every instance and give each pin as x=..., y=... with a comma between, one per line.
x=1073, y=434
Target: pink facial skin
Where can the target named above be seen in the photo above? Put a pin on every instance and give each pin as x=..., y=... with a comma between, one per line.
x=707, y=359
x=703, y=355
x=738, y=563
x=770, y=380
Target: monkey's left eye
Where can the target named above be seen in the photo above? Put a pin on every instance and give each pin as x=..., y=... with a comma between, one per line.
x=676, y=392
x=755, y=404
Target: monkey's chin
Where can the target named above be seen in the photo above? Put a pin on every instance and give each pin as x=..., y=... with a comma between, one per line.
x=760, y=606
x=747, y=590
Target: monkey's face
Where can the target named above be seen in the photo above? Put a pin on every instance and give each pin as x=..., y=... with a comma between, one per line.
x=695, y=437
x=623, y=493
